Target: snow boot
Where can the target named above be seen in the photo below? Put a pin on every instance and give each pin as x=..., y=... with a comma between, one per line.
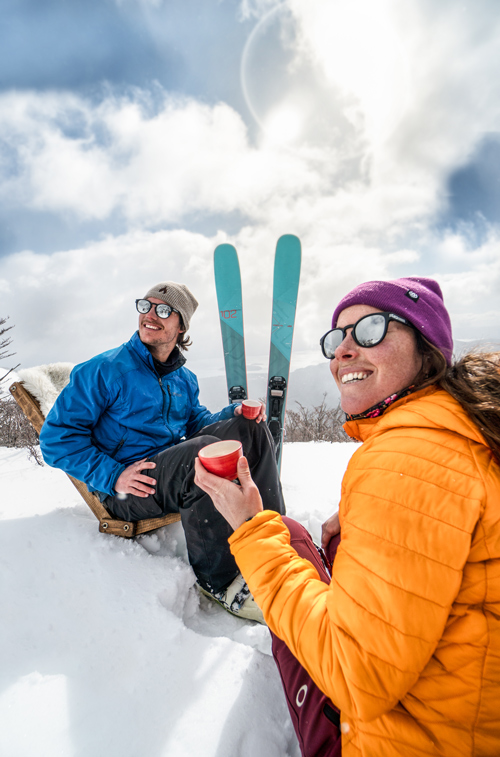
x=237, y=600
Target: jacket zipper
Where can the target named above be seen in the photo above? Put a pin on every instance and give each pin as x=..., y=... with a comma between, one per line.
x=118, y=448
x=169, y=401
x=166, y=394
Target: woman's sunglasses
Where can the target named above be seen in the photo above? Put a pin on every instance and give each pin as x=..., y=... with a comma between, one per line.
x=161, y=310
x=367, y=332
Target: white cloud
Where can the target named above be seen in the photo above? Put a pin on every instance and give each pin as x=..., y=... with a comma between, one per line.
x=471, y=291
x=153, y=166
x=422, y=77
x=380, y=118
x=257, y=8
x=71, y=305
x=398, y=117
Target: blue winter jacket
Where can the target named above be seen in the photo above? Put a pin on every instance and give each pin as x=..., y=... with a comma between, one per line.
x=116, y=410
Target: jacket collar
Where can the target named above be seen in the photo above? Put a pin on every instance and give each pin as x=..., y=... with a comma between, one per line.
x=429, y=408
x=362, y=428
x=175, y=361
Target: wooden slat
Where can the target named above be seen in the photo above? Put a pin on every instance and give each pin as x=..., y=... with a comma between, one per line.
x=108, y=524
x=91, y=499
x=28, y=405
x=151, y=523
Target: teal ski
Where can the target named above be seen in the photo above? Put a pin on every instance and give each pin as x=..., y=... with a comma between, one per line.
x=285, y=290
x=229, y=299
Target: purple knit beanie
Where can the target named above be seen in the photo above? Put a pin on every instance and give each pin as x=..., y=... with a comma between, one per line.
x=418, y=299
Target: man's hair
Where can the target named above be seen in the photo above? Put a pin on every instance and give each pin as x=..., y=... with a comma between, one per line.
x=184, y=341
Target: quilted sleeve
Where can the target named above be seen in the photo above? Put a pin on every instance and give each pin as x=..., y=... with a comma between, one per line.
x=66, y=436
x=406, y=523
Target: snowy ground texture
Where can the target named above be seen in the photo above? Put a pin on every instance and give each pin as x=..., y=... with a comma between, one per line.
x=108, y=650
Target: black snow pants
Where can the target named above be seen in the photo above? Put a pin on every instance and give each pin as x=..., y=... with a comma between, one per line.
x=206, y=531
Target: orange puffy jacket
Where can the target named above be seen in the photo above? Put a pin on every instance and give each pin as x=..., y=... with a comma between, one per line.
x=406, y=639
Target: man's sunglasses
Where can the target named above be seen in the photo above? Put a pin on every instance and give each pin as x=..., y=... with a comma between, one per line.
x=161, y=310
x=369, y=331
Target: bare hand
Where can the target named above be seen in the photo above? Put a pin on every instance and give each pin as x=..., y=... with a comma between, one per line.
x=329, y=529
x=132, y=481
x=235, y=503
x=238, y=410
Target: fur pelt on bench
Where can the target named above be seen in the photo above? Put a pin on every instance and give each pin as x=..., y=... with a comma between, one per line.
x=46, y=382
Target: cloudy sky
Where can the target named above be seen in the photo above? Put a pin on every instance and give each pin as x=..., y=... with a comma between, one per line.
x=136, y=135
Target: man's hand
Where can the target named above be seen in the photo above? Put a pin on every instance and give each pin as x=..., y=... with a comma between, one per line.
x=235, y=503
x=132, y=481
x=261, y=416
x=329, y=529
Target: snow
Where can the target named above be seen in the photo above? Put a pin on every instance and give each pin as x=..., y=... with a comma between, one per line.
x=107, y=647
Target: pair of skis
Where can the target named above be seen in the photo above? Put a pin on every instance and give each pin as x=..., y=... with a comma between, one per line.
x=285, y=289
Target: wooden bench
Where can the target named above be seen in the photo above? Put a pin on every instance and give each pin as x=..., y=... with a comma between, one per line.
x=108, y=524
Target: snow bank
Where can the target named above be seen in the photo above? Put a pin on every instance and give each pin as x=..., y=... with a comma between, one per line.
x=108, y=649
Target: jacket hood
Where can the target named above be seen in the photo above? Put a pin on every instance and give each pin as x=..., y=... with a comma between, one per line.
x=428, y=408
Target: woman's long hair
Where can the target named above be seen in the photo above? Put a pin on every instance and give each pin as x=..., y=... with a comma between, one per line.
x=473, y=380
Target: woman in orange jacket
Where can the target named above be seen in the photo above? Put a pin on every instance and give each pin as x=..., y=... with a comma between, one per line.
x=404, y=638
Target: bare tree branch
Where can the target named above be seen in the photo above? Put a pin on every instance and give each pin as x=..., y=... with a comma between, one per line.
x=315, y=424
x=15, y=428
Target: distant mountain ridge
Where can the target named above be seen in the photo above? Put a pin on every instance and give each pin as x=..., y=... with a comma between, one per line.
x=306, y=385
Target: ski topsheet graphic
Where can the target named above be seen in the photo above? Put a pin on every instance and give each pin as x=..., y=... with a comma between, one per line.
x=228, y=287
x=285, y=291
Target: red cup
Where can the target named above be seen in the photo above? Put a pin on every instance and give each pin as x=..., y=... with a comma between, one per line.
x=251, y=408
x=221, y=458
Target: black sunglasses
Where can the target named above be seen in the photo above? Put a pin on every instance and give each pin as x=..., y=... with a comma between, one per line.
x=161, y=310
x=369, y=331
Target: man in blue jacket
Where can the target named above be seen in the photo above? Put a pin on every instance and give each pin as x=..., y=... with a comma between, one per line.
x=130, y=425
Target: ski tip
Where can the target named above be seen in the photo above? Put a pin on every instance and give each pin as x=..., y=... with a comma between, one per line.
x=289, y=239
x=224, y=249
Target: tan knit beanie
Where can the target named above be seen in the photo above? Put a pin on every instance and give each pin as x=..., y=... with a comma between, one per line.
x=177, y=296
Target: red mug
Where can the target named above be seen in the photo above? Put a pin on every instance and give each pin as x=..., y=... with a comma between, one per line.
x=251, y=408
x=221, y=458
